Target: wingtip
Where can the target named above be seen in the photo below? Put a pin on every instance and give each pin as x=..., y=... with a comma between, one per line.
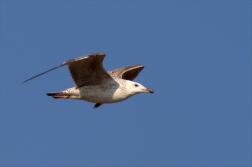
x=101, y=53
x=140, y=65
x=25, y=81
x=98, y=54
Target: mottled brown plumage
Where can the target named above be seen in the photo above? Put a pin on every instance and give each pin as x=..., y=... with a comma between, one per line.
x=129, y=73
x=94, y=84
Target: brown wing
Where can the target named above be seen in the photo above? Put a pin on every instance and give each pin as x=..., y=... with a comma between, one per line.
x=85, y=70
x=128, y=73
x=88, y=70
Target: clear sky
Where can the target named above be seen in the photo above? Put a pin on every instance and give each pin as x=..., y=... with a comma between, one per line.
x=197, y=58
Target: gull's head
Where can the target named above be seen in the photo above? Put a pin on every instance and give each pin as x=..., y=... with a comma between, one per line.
x=136, y=88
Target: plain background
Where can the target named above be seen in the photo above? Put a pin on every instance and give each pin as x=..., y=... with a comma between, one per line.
x=197, y=58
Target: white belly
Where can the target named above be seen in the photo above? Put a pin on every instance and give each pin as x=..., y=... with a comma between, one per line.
x=98, y=94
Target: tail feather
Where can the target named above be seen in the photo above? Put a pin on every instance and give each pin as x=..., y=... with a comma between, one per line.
x=58, y=95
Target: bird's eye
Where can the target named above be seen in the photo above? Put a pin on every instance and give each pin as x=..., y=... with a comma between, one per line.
x=136, y=85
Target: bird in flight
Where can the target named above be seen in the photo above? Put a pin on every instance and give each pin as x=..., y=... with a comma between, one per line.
x=93, y=84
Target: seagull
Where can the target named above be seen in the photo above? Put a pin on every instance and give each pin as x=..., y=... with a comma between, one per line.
x=93, y=84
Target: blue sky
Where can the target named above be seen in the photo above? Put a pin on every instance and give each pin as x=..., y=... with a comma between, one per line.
x=197, y=58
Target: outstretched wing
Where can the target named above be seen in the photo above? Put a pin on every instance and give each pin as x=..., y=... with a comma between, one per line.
x=85, y=70
x=88, y=70
x=128, y=73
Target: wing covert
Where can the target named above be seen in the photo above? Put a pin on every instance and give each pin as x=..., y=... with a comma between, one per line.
x=128, y=73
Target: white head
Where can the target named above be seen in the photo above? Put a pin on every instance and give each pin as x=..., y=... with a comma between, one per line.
x=136, y=88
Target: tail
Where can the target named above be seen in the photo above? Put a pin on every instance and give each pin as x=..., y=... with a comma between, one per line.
x=58, y=95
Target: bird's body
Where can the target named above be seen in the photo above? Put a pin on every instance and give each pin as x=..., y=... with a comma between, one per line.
x=94, y=84
x=111, y=92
